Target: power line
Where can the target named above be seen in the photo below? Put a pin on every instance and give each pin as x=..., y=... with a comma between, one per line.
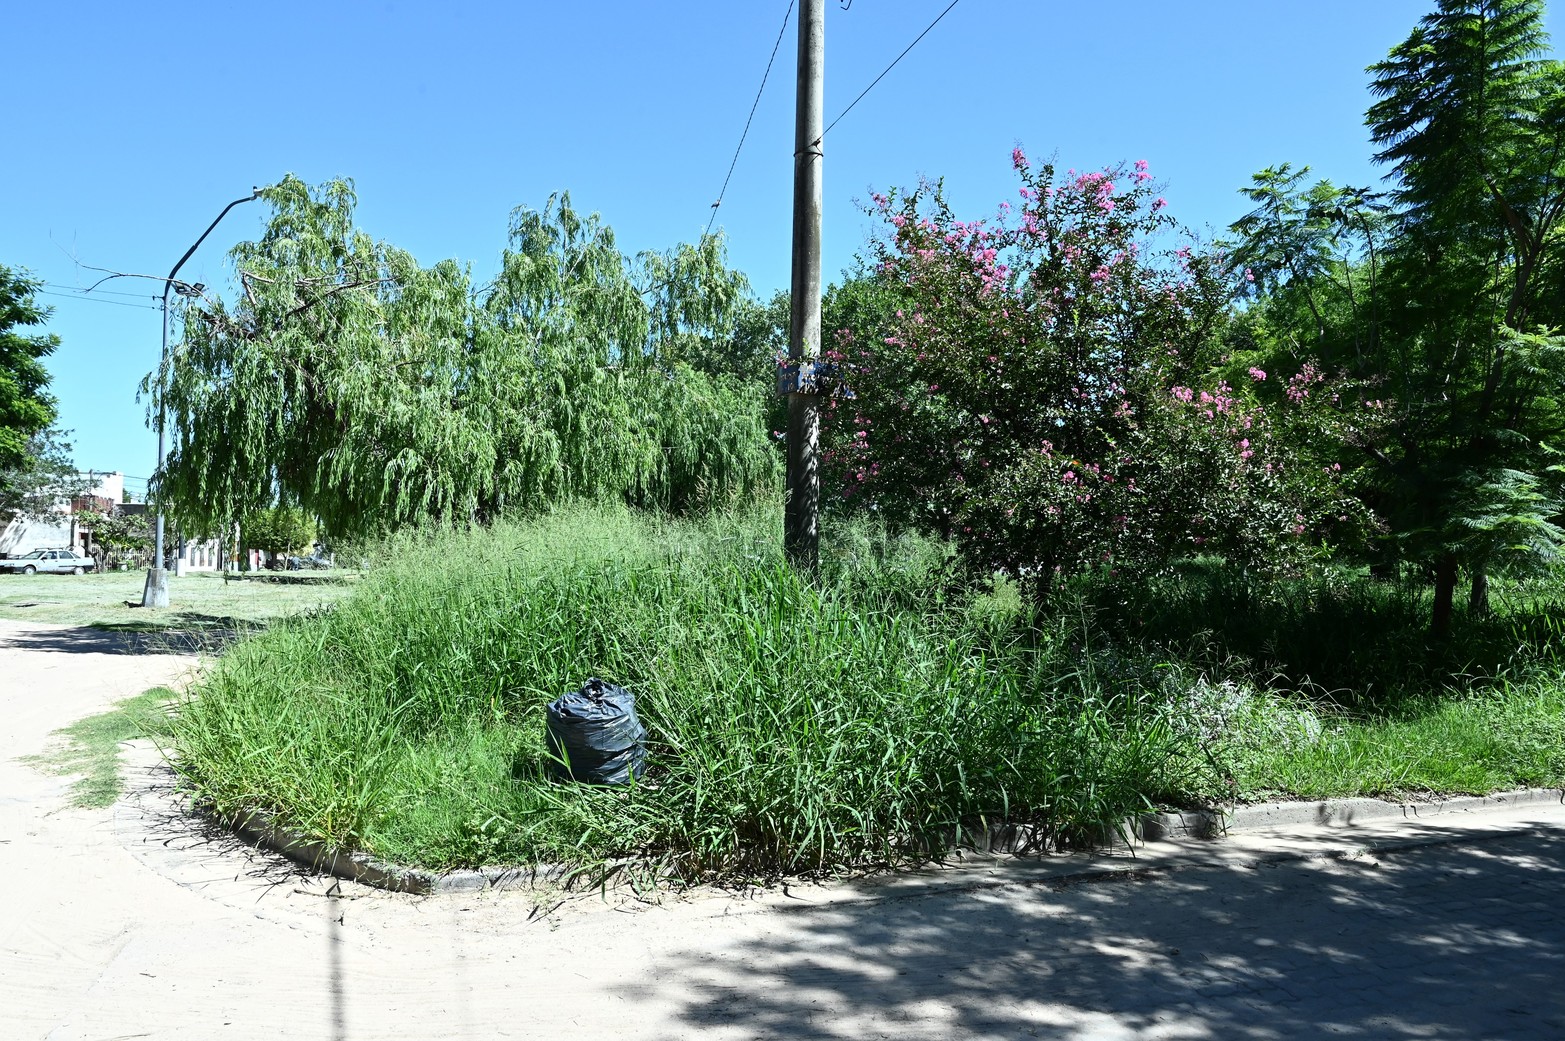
x=753, y=106
x=100, y=292
x=95, y=300
x=887, y=69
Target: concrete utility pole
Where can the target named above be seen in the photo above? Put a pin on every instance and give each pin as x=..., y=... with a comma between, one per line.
x=801, y=527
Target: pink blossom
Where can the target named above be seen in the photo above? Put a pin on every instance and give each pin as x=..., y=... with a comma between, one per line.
x=1258, y=375
x=1069, y=477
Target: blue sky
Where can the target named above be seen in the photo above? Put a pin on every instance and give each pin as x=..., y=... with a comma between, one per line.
x=133, y=126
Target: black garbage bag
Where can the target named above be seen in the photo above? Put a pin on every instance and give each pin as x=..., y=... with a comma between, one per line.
x=594, y=735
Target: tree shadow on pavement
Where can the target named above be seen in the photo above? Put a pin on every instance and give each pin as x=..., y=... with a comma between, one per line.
x=1453, y=941
x=182, y=633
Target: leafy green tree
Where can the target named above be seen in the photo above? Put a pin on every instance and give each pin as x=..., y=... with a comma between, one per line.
x=26, y=408
x=759, y=338
x=1446, y=329
x=126, y=537
x=277, y=531
x=1471, y=117
x=44, y=477
x=1314, y=249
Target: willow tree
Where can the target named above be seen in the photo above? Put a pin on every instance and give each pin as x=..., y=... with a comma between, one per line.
x=370, y=391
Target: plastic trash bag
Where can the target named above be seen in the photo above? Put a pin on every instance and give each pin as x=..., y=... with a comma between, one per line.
x=594, y=736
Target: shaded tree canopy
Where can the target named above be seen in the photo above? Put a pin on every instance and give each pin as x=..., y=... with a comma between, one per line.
x=43, y=479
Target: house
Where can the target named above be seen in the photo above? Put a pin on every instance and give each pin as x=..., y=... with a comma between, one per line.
x=68, y=527
x=60, y=529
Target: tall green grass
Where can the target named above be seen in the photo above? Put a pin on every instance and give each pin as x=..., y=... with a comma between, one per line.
x=862, y=716
x=794, y=725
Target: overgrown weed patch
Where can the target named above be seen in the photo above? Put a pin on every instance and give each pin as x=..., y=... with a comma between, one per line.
x=795, y=725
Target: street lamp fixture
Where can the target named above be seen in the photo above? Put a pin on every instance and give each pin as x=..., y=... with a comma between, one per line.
x=155, y=593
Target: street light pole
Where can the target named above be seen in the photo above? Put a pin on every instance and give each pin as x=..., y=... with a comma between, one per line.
x=155, y=593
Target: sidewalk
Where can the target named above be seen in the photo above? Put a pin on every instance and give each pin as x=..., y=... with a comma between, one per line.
x=126, y=923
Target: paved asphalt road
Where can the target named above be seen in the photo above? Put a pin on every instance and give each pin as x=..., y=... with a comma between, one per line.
x=130, y=923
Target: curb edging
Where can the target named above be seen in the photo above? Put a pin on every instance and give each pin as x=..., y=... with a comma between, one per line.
x=259, y=829
x=1215, y=823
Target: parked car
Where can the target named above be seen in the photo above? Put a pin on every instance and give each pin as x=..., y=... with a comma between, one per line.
x=313, y=562
x=49, y=561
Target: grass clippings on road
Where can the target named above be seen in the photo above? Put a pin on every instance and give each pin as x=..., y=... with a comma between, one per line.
x=91, y=746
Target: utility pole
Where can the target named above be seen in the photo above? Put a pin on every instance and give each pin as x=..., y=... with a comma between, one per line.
x=800, y=381
x=155, y=592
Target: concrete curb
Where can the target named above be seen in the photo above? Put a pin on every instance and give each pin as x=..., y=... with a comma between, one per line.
x=259, y=829
x=1173, y=826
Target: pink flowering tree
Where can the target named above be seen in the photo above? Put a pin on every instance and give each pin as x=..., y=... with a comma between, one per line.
x=1042, y=389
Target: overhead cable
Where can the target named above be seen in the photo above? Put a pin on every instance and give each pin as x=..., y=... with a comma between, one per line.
x=96, y=300
x=753, y=105
x=887, y=69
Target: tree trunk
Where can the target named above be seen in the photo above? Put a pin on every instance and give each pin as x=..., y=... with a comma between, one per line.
x=1445, y=589
x=1478, y=596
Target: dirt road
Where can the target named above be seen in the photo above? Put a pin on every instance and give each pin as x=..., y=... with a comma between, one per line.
x=131, y=923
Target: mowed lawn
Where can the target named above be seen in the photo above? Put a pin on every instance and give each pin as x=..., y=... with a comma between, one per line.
x=197, y=601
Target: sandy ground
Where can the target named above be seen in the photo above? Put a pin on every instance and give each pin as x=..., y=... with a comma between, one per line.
x=132, y=923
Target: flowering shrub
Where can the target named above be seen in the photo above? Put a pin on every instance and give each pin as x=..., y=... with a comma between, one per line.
x=1043, y=392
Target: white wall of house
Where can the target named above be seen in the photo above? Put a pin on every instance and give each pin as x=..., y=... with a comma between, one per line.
x=58, y=530
x=23, y=535
x=201, y=555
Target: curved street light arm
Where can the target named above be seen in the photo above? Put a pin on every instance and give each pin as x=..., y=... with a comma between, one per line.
x=255, y=193
x=156, y=592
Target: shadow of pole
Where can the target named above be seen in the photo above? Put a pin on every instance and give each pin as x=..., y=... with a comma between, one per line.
x=335, y=915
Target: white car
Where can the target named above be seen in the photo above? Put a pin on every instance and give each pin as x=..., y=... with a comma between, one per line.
x=56, y=561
